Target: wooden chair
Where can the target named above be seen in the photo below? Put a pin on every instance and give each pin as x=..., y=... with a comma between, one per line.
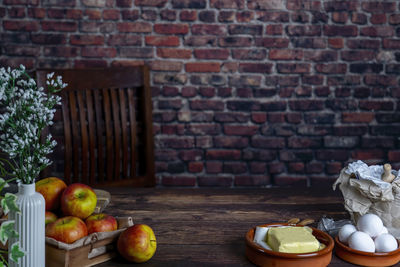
x=108, y=129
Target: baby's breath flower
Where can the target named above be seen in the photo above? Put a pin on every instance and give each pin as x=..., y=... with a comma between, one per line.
x=28, y=109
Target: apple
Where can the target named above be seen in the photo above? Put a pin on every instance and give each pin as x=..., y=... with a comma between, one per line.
x=101, y=223
x=51, y=188
x=50, y=217
x=137, y=243
x=67, y=229
x=78, y=200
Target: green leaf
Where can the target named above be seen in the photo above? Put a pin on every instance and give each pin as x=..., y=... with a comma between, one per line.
x=3, y=183
x=7, y=231
x=8, y=203
x=2, y=264
x=16, y=252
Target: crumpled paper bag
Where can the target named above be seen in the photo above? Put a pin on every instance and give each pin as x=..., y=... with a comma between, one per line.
x=364, y=192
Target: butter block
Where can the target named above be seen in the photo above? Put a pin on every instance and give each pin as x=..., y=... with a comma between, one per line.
x=292, y=239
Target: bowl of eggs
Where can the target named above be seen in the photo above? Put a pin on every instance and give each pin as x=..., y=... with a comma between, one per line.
x=265, y=256
x=368, y=243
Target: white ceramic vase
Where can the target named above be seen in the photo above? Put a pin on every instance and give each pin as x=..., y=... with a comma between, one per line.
x=30, y=224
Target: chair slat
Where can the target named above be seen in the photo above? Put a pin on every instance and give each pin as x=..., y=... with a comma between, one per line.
x=92, y=136
x=109, y=134
x=84, y=138
x=75, y=134
x=99, y=129
x=132, y=122
x=67, y=137
x=117, y=133
x=124, y=124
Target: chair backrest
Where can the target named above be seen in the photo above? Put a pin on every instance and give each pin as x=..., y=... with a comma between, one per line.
x=108, y=128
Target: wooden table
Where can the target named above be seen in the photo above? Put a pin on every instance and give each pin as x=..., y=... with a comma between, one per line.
x=206, y=227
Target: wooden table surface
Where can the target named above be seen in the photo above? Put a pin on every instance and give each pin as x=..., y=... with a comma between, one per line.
x=206, y=227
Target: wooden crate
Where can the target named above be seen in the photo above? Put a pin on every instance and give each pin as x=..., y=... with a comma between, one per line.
x=86, y=255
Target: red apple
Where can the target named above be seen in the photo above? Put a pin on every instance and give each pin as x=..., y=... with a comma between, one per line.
x=50, y=217
x=137, y=243
x=101, y=223
x=78, y=200
x=51, y=188
x=67, y=229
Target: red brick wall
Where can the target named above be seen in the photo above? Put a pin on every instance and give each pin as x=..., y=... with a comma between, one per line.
x=246, y=93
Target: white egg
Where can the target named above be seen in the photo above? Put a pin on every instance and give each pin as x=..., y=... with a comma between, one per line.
x=345, y=232
x=361, y=241
x=384, y=230
x=385, y=243
x=370, y=224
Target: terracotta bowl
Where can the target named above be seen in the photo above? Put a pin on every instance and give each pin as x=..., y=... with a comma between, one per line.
x=268, y=258
x=367, y=258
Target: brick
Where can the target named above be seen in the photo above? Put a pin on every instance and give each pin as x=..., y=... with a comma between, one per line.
x=86, y=39
x=162, y=40
x=245, y=29
x=21, y=50
x=48, y=39
x=377, y=142
x=136, y=52
x=140, y=27
x=20, y=25
x=388, y=117
x=166, y=66
x=124, y=40
x=36, y=12
x=304, y=105
x=296, y=167
x=230, y=142
x=149, y=15
x=363, y=68
x=235, y=41
x=61, y=51
x=377, y=31
x=350, y=130
x=369, y=154
x=380, y=80
x=263, y=92
x=376, y=105
x=378, y=18
x=374, y=6
x=249, y=54
x=320, y=17
x=96, y=26
x=273, y=106
x=293, y=67
x=300, y=17
x=340, y=17
x=234, y=167
x=340, y=142
x=178, y=181
x=211, y=53
x=319, y=56
x=295, y=155
x=336, y=43
x=276, y=118
x=195, y=167
x=314, y=167
x=355, y=55
x=151, y=3
x=322, y=91
x=255, y=67
x=111, y=14
x=16, y=12
x=242, y=105
x=226, y=16
x=385, y=130
x=200, y=40
x=331, y=68
x=124, y=3
x=252, y=180
x=207, y=16
x=334, y=6
x=333, y=167
x=63, y=3
x=358, y=117
x=171, y=28
x=304, y=142
x=272, y=42
x=228, y=4
x=267, y=142
x=98, y=52
x=188, y=15
x=285, y=180
x=267, y=16
x=309, y=42
x=223, y=154
x=285, y=54
x=266, y=4
x=319, y=118
x=363, y=44
x=213, y=167
x=206, y=105
x=94, y=3
x=240, y=130
x=394, y=156
x=231, y=117
x=334, y=30
x=196, y=4
x=168, y=14
x=208, y=29
x=174, y=53
x=202, y=67
x=93, y=14
x=59, y=26
x=332, y=154
x=90, y=63
x=245, y=16
x=304, y=30
x=391, y=44
x=362, y=92
x=131, y=15
x=218, y=181
x=359, y=18
x=274, y=30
